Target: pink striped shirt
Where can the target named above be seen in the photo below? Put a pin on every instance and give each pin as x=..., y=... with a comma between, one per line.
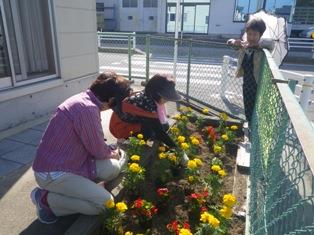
x=73, y=138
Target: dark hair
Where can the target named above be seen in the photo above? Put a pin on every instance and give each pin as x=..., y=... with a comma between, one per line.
x=157, y=83
x=256, y=24
x=109, y=85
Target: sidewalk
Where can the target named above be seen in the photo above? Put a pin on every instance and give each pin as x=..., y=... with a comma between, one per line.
x=18, y=215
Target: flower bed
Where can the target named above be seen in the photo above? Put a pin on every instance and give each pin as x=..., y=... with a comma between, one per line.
x=184, y=191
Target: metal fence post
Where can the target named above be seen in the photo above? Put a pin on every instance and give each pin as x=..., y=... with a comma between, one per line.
x=98, y=39
x=134, y=41
x=147, y=51
x=224, y=74
x=129, y=57
x=306, y=92
x=189, y=71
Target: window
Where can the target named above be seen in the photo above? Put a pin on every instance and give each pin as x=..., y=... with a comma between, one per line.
x=151, y=18
x=100, y=6
x=129, y=3
x=244, y=7
x=281, y=8
x=172, y=17
x=27, y=49
x=130, y=17
x=150, y=3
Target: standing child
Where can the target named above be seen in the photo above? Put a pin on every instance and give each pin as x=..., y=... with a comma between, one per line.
x=249, y=61
x=144, y=112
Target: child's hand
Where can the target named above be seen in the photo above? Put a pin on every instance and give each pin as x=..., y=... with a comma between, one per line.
x=234, y=42
x=246, y=44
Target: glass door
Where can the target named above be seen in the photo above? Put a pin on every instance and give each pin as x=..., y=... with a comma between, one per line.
x=194, y=18
x=188, y=19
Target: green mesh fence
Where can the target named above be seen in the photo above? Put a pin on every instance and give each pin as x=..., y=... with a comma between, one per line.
x=281, y=200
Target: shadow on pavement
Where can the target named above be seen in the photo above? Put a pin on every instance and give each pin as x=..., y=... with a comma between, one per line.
x=60, y=227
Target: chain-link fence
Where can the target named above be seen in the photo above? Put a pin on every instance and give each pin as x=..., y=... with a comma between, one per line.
x=205, y=71
x=281, y=199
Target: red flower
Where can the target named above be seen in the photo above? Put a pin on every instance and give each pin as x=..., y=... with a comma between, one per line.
x=154, y=210
x=138, y=203
x=186, y=225
x=203, y=209
x=212, y=133
x=205, y=194
x=162, y=192
x=195, y=195
x=173, y=226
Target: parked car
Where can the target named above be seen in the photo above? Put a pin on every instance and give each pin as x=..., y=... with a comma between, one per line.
x=308, y=33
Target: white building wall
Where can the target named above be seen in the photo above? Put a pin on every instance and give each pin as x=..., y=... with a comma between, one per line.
x=140, y=21
x=221, y=19
x=161, y=12
x=78, y=59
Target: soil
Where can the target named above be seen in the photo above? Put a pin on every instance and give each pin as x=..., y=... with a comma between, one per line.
x=176, y=207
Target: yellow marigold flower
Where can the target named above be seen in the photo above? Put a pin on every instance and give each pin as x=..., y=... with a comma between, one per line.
x=135, y=158
x=192, y=164
x=198, y=161
x=134, y=167
x=229, y=200
x=121, y=207
x=191, y=179
x=222, y=173
x=216, y=168
x=184, y=231
x=174, y=130
x=223, y=116
x=172, y=157
x=140, y=136
x=177, y=117
x=205, y=111
x=162, y=149
x=142, y=142
x=189, y=109
x=185, y=146
x=109, y=204
x=234, y=127
x=210, y=219
x=217, y=149
x=225, y=137
x=213, y=221
x=162, y=156
x=181, y=139
x=184, y=118
x=195, y=141
x=226, y=212
x=128, y=233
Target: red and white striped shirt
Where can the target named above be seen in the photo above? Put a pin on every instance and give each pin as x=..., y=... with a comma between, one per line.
x=74, y=138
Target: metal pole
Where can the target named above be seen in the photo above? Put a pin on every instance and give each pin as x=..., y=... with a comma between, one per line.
x=129, y=56
x=189, y=72
x=147, y=55
x=224, y=74
x=176, y=33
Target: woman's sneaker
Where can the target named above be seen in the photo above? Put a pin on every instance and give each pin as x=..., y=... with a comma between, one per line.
x=44, y=213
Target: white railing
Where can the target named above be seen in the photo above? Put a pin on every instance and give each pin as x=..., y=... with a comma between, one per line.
x=116, y=39
x=304, y=88
x=301, y=43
